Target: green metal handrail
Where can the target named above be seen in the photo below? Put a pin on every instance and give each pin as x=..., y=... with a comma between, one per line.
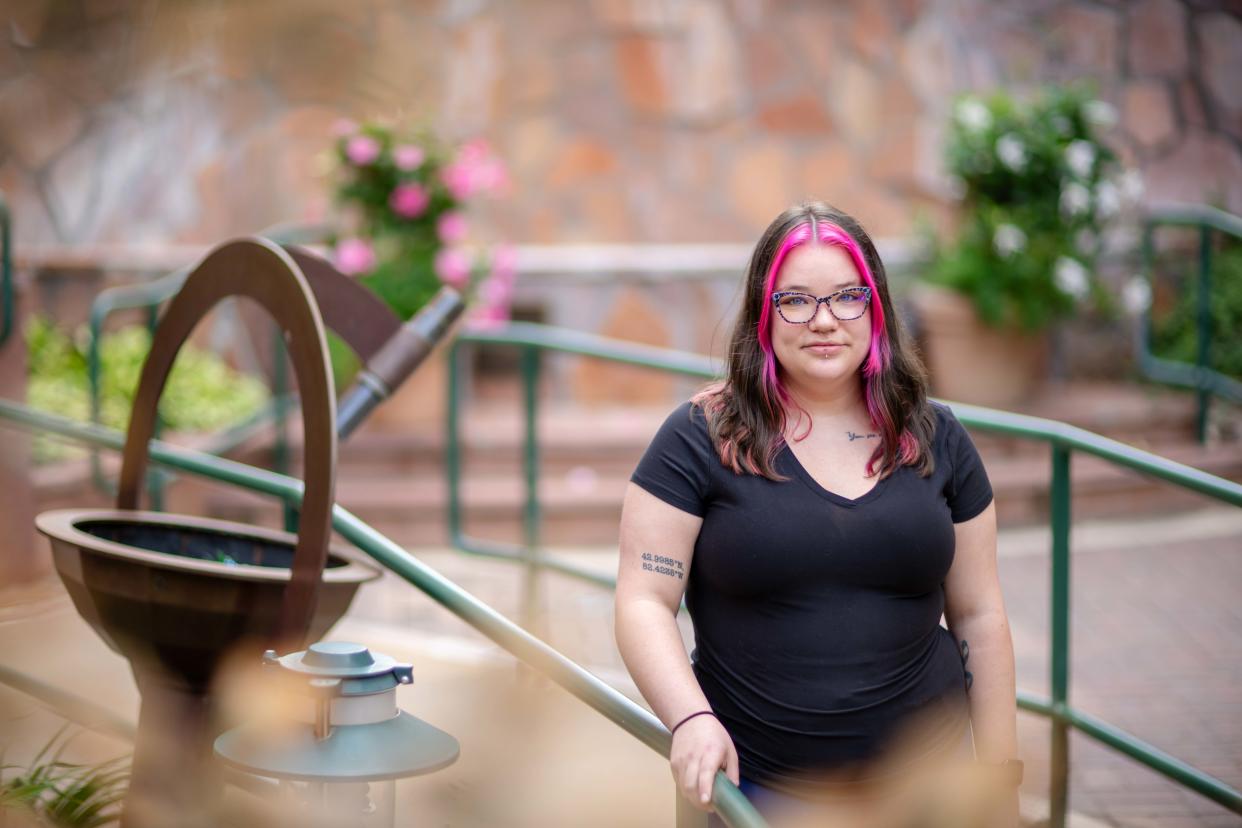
x=532, y=338
x=1062, y=438
x=730, y=803
x=1201, y=377
x=7, y=298
x=149, y=296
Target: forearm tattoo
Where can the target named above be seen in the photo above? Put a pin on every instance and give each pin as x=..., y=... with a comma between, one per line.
x=854, y=436
x=661, y=565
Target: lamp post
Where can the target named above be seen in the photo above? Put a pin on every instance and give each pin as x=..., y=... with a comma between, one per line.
x=338, y=754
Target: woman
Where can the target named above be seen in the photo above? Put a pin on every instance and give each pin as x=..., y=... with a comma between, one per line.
x=819, y=514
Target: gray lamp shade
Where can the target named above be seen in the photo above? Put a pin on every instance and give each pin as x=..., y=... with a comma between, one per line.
x=402, y=746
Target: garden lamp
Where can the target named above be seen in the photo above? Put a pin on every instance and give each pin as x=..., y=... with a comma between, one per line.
x=338, y=754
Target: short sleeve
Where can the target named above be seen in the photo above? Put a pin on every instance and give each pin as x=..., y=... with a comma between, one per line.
x=676, y=466
x=968, y=490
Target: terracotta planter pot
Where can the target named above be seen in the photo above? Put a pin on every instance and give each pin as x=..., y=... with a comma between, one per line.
x=972, y=362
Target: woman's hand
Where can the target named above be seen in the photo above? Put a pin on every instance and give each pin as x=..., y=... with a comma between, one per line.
x=701, y=747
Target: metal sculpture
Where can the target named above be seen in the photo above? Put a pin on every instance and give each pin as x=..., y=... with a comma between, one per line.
x=176, y=594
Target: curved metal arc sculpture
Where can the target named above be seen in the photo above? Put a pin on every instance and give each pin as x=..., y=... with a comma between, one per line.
x=243, y=268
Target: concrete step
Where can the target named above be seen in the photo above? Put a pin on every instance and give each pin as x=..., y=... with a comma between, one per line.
x=572, y=435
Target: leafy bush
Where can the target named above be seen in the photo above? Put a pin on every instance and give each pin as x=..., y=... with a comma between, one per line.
x=1038, y=187
x=202, y=394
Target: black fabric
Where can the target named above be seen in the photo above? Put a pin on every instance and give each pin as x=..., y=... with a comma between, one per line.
x=817, y=617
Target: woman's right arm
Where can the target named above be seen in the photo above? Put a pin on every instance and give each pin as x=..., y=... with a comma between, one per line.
x=657, y=543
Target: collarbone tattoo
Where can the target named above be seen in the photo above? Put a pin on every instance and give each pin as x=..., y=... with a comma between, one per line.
x=870, y=435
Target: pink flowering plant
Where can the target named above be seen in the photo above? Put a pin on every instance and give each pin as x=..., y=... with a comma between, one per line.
x=404, y=199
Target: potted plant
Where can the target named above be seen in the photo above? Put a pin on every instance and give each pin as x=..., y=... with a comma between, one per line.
x=1038, y=188
x=402, y=197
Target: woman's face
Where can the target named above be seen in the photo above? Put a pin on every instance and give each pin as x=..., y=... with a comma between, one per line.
x=822, y=357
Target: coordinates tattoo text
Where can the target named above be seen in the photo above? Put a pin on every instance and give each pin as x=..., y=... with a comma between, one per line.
x=663, y=566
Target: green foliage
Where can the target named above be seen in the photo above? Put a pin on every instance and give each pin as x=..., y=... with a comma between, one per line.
x=1037, y=187
x=405, y=279
x=1175, y=334
x=202, y=394
x=63, y=794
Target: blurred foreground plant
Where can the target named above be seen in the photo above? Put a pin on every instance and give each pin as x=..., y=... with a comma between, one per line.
x=1039, y=188
x=53, y=792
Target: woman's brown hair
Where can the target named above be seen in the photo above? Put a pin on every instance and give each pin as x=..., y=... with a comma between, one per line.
x=746, y=413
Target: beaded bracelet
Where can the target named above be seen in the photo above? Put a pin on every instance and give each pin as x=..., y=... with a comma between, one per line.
x=691, y=716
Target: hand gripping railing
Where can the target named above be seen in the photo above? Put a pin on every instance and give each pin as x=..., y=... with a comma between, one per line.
x=1205, y=381
x=728, y=801
x=1063, y=440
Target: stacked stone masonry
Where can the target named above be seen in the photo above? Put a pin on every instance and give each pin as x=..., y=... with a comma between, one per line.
x=622, y=120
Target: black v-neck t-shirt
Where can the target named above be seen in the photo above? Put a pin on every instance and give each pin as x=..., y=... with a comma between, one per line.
x=816, y=616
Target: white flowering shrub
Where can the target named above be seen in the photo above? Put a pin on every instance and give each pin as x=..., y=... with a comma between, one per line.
x=1038, y=187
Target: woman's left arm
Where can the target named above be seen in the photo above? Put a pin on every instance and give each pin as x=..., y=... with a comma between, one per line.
x=975, y=611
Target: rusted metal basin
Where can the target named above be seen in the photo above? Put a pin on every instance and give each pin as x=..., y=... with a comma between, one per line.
x=176, y=593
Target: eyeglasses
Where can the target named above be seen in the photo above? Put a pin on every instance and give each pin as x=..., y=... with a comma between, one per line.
x=800, y=308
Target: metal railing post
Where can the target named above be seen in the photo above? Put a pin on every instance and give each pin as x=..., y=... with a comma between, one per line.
x=7, y=295
x=530, y=473
x=1148, y=273
x=156, y=477
x=1204, y=316
x=280, y=400
x=1060, y=634
x=93, y=380
x=452, y=442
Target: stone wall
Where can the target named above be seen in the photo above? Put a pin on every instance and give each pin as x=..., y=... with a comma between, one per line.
x=622, y=120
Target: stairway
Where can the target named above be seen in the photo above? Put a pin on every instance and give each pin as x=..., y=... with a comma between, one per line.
x=395, y=481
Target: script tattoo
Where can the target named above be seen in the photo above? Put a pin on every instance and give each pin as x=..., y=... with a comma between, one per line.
x=663, y=566
x=854, y=436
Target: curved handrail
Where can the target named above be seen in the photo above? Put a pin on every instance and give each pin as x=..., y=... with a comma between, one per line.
x=534, y=336
x=729, y=802
x=1206, y=381
x=1087, y=442
x=1062, y=438
x=1197, y=215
